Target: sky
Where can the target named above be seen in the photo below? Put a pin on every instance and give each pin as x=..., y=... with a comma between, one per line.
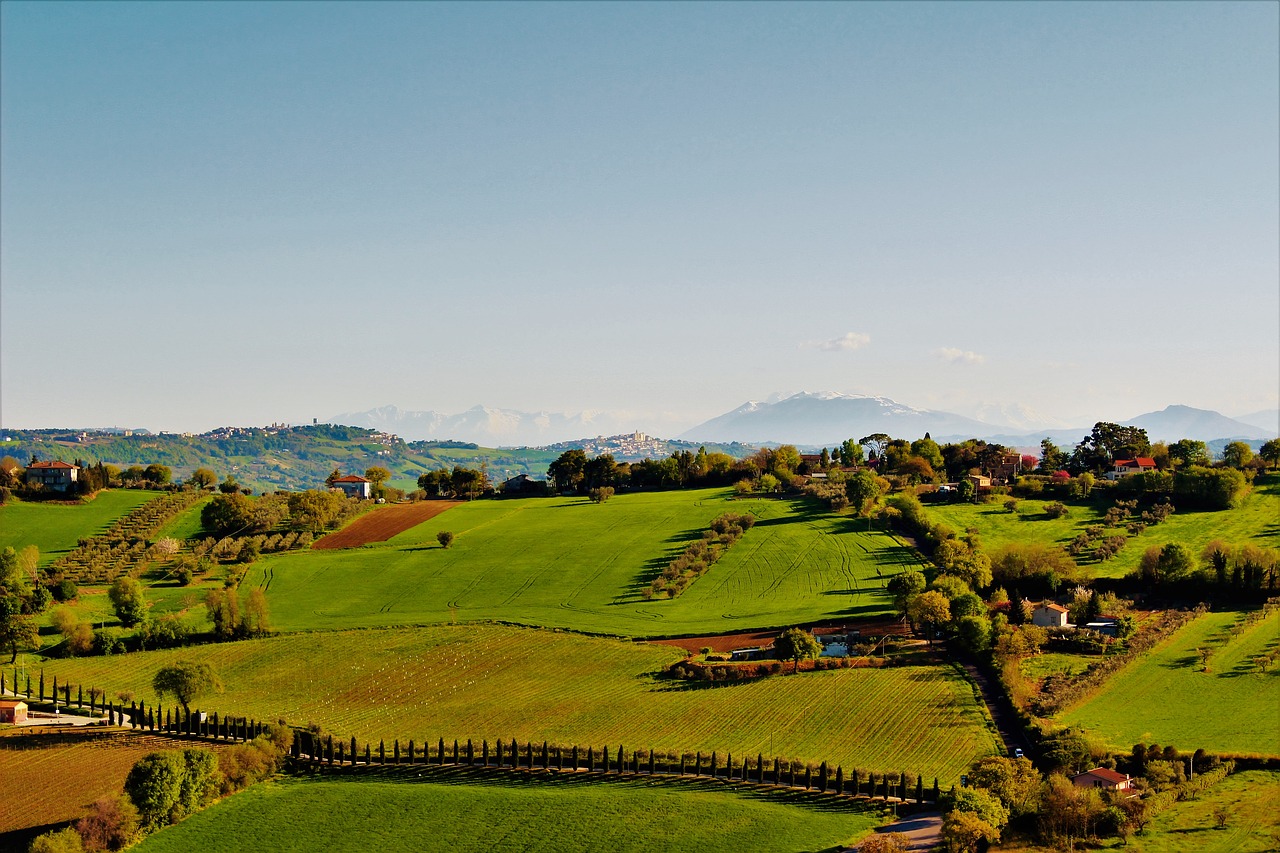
x=246, y=213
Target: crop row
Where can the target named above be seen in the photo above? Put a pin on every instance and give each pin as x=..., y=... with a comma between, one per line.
x=123, y=547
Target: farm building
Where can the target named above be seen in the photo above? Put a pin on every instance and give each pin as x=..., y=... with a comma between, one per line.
x=523, y=484
x=55, y=476
x=353, y=486
x=13, y=711
x=980, y=481
x=1128, y=467
x=1049, y=615
x=1101, y=777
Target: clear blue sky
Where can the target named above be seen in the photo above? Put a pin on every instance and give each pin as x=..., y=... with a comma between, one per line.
x=243, y=213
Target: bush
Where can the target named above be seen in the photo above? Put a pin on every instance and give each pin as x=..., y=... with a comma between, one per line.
x=1056, y=509
x=62, y=841
x=600, y=495
x=65, y=590
x=111, y=824
x=445, y=538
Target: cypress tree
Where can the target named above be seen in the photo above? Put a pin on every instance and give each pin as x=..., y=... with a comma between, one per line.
x=560, y=758
x=760, y=768
x=728, y=767
x=902, y=785
x=455, y=751
x=42, y=685
x=575, y=757
x=471, y=753
x=808, y=777
x=635, y=761
x=622, y=760
x=839, y=780
x=368, y=755
x=777, y=771
x=79, y=693
x=682, y=758
x=382, y=752
x=545, y=755
x=591, y=759
x=697, y=763
x=484, y=753
x=440, y=747
x=497, y=747
x=712, y=774
x=15, y=679
x=330, y=750
x=650, y=761
x=791, y=773
x=937, y=792
x=55, y=691
x=919, y=790
x=857, y=789
x=604, y=758
x=341, y=754
x=396, y=746
x=822, y=778
x=168, y=721
x=2, y=684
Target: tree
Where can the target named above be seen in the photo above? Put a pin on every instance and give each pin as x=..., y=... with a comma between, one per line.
x=885, y=842
x=850, y=453
x=1106, y=443
x=128, y=600
x=58, y=841
x=111, y=824
x=769, y=483
x=905, y=585
x=1014, y=781
x=1186, y=452
x=1270, y=452
x=445, y=538
x=796, y=644
x=965, y=560
x=314, y=510
x=864, y=489
x=1237, y=455
x=17, y=630
x=377, y=477
x=202, y=478
x=154, y=784
x=1051, y=457
x=1172, y=562
x=227, y=514
x=963, y=832
x=568, y=470
x=929, y=609
x=229, y=486
x=158, y=474
x=186, y=681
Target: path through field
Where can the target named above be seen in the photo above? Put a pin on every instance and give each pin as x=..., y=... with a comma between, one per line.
x=381, y=524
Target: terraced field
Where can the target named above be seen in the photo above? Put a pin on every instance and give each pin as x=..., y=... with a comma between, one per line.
x=565, y=562
x=490, y=682
x=1165, y=698
x=55, y=529
x=551, y=814
x=1256, y=521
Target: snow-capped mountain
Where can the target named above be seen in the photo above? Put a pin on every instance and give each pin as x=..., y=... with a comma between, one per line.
x=827, y=418
x=490, y=427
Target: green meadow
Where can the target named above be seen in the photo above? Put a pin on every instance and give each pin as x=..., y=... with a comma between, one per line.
x=55, y=529
x=552, y=813
x=1165, y=696
x=1256, y=521
x=566, y=562
x=497, y=682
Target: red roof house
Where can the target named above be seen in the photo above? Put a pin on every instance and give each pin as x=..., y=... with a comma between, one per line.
x=1128, y=467
x=1101, y=777
x=57, y=476
x=353, y=486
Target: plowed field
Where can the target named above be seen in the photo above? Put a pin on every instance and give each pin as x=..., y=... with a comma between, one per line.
x=383, y=523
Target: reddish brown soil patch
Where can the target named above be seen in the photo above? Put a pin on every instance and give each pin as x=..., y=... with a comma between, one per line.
x=753, y=639
x=381, y=524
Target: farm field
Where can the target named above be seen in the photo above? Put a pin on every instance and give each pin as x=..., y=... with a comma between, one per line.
x=490, y=682
x=382, y=523
x=55, y=529
x=1256, y=521
x=552, y=814
x=1231, y=708
x=54, y=778
x=566, y=562
x=186, y=524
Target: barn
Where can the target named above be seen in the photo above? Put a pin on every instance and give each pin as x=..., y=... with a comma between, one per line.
x=13, y=711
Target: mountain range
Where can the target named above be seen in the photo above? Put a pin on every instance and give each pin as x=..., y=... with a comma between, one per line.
x=809, y=419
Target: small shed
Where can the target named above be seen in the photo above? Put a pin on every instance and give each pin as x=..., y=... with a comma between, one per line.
x=13, y=711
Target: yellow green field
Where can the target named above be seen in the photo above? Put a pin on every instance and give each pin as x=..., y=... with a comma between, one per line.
x=491, y=682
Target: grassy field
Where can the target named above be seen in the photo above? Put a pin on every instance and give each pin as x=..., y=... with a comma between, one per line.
x=1055, y=663
x=1256, y=521
x=552, y=814
x=566, y=562
x=55, y=529
x=186, y=524
x=490, y=682
x=1165, y=698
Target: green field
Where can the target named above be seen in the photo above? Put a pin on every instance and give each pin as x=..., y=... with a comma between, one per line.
x=566, y=562
x=1055, y=663
x=1256, y=521
x=552, y=814
x=186, y=524
x=55, y=529
x=1165, y=698
x=491, y=682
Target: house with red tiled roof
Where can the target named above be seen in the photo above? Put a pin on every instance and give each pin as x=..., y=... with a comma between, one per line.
x=353, y=486
x=1101, y=777
x=1122, y=468
x=55, y=476
x=1049, y=615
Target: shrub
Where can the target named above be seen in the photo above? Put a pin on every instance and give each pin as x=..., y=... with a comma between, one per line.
x=1056, y=509
x=600, y=495
x=62, y=841
x=111, y=824
x=445, y=538
x=65, y=590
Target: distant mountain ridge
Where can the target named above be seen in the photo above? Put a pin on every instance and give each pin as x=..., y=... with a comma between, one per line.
x=488, y=426
x=1176, y=422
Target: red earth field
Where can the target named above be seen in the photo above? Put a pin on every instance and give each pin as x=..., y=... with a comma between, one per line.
x=382, y=523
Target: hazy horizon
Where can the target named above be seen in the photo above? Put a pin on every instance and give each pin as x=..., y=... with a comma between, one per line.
x=240, y=213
